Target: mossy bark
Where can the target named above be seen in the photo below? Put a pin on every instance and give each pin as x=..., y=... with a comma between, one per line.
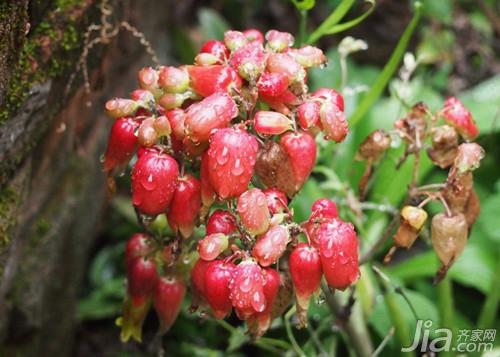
x=52, y=189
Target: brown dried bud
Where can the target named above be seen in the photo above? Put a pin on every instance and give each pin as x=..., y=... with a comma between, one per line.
x=472, y=209
x=468, y=157
x=412, y=221
x=274, y=168
x=374, y=145
x=412, y=128
x=449, y=237
x=444, y=146
x=457, y=191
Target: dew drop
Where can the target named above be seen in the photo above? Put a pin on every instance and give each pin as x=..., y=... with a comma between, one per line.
x=238, y=168
x=261, y=200
x=210, y=248
x=149, y=183
x=222, y=159
x=328, y=249
x=343, y=259
x=258, y=301
x=320, y=299
x=246, y=285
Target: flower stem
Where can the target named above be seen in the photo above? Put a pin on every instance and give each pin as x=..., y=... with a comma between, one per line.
x=289, y=332
x=354, y=326
x=446, y=309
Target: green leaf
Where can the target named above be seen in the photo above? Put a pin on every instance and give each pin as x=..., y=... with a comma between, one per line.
x=488, y=220
x=104, y=265
x=425, y=309
x=212, y=24
x=182, y=44
x=301, y=204
x=237, y=339
x=477, y=260
x=104, y=302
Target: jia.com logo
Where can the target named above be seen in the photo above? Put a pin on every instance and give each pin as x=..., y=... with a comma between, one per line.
x=476, y=340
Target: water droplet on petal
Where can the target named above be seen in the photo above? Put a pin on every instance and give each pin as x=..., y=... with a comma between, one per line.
x=222, y=159
x=149, y=183
x=258, y=301
x=238, y=168
x=327, y=250
x=210, y=247
x=246, y=285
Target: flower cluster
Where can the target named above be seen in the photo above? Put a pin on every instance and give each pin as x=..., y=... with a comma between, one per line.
x=226, y=143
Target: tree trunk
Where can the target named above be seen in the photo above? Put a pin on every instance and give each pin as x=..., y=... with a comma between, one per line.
x=52, y=189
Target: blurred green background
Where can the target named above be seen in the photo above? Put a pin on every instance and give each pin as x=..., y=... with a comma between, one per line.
x=456, y=46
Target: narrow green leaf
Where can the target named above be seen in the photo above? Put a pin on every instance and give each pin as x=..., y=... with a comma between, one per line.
x=389, y=69
x=333, y=19
x=351, y=23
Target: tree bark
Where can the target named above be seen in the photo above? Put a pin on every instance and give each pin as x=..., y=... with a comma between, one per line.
x=52, y=189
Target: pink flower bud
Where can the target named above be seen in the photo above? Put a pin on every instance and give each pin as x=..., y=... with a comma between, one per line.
x=162, y=126
x=286, y=64
x=278, y=41
x=308, y=114
x=147, y=135
x=119, y=107
x=148, y=78
x=333, y=122
x=171, y=100
x=234, y=40
x=213, y=112
x=253, y=211
x=271, y=245
x=272, y=84
x=249, y=60
x=212, y=245
x=253, y=35
x=206, y=59
x=271, y=123
x=457, y=115
x=173, y=80
x=308, y=56
x=217, y=49
x=177, y=117
x=143, y=96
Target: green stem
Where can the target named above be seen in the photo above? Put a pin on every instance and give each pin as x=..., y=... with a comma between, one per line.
x=388, y=71
x=302, y=27
x=446, y=309
x=333, y=19
x=490, y=306
x=289, y=332
x=445, y=302
x=354, y=326
x=396, y=315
